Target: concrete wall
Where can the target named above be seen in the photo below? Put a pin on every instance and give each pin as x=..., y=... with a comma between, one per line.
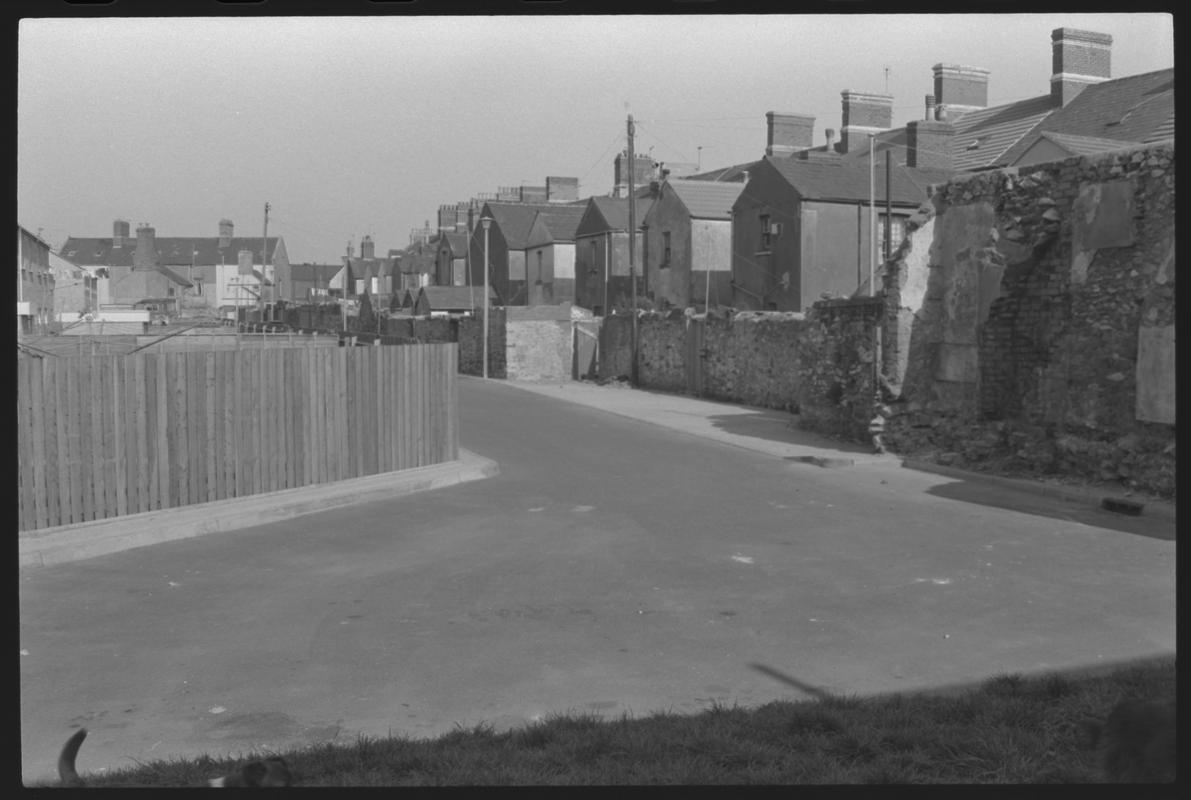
x=1030, y=320
x=539, y=343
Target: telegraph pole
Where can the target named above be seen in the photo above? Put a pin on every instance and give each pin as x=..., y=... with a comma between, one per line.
x=632, y=250
x=265, y=254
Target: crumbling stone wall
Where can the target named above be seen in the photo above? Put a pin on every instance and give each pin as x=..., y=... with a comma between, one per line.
x=836, y=366
x=753, y=358
x=1030, y=321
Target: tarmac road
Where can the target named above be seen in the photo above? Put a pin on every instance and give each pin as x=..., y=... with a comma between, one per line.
x=614, y=565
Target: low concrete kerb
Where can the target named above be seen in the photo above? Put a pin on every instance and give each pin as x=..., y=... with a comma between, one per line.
x=1156, y=509
x=48, y=546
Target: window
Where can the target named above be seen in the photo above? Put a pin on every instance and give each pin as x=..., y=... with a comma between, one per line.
x=897, y=233
x=765, y=240
x=665, y=248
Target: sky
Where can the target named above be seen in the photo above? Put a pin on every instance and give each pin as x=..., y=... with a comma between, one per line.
x=354, y=126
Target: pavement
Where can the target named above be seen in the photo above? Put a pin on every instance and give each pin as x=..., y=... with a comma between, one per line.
x=65, y=543
x=629, y=552
x=776, y=433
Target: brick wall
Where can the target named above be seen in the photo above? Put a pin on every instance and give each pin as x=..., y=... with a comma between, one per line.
x=1030, y=321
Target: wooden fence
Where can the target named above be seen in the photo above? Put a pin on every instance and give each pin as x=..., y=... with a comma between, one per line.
x=112, y=435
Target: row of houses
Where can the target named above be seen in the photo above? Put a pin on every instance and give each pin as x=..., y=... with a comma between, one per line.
x=807, y=219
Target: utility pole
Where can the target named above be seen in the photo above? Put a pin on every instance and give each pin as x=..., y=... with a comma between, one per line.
x=265, y=255
x=632, y=250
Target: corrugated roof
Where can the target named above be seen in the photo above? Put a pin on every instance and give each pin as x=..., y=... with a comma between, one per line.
x=983, y=136
x=1133, y=109
x=706, y=199
x=843, y=179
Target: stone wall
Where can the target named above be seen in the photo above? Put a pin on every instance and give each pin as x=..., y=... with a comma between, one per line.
x=836, y=367
x=750, y=357
x=469, y=333
x=662, y=364
x=1030, y=320
x=753, y=357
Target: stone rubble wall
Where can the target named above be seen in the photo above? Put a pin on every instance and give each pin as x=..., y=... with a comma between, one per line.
x=1031, y=321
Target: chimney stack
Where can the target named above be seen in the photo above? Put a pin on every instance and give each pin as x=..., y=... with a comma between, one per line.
x=1079, y=59
x=642, y=172
x=928, y=144
x=864, y=113
x=145, y=256
x=225, y=233
x=930, y=107
x=960, y=89
x=831, y=141
x=788, y=133
x=561, y=190
x=119, y=233
x=367, y=248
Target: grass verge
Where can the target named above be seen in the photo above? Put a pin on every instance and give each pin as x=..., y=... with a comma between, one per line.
x=1008, y=730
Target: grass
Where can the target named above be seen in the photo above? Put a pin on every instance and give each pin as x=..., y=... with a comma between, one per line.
x=1010, y=729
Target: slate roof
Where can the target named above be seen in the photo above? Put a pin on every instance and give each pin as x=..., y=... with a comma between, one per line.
x=612, y=214
x=707, y=199
x=983, y=137
x=724, y=174
x=844, y=179
x=171, y=250
x=314, y=272
x=561, y=222
x=450, y=298
x=514, y=219
x=457, y=243
x=1130, y=110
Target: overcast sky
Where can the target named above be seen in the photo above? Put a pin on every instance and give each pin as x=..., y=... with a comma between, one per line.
x=349, y=126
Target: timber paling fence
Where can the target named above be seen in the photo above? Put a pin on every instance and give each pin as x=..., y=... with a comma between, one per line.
x=105, y=436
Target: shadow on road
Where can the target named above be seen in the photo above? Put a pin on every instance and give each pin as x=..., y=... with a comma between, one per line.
x=779, y=426
x=998, y=496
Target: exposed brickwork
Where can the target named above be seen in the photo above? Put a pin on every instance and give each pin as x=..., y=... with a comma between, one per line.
x=1025, y=352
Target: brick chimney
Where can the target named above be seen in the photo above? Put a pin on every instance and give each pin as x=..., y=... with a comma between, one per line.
x=928, y=144
x=788, y=133
x=642, y=174
x=561, y=190
x=1078, y=58
x=864, y=113
x=119, y=233
x=145, y=256
x=960, y=89
x=367, y=248
x=225, y=233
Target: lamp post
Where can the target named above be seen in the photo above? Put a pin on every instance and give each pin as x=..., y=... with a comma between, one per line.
x=486, y=221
